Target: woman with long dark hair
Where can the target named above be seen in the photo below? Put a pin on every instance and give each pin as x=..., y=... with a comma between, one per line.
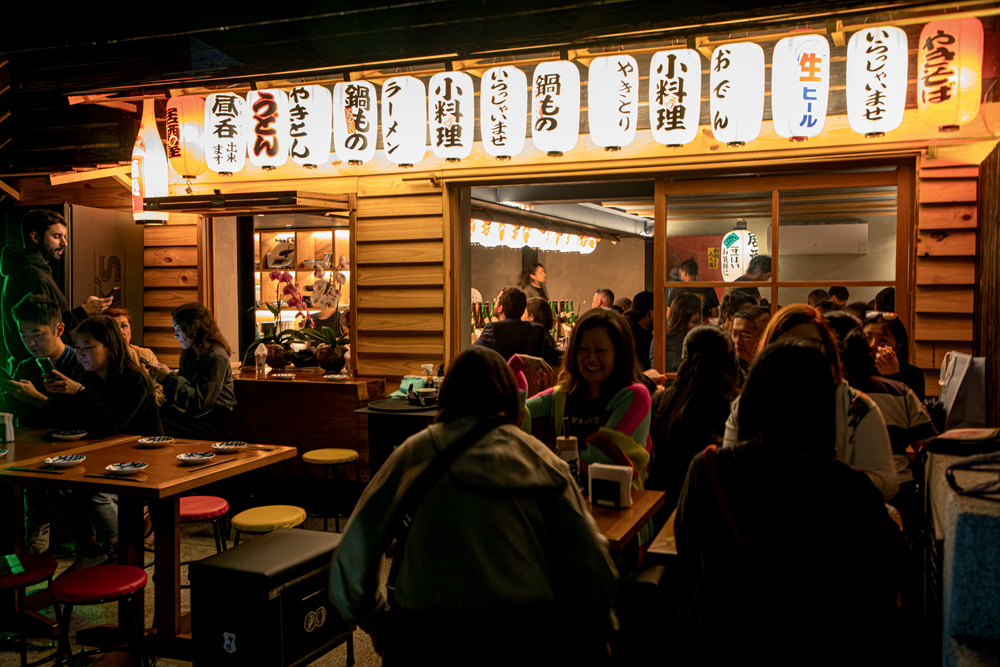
x=685, y=314
x=200, y=395
x=532, y=282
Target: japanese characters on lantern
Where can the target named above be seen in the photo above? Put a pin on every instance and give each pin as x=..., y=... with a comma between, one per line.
x=613, y=101
x=451, y=113
x=736, y=98
x=225, y=133
x=268, y=139
x=738, y=248
x=309, y=115
x=503, y=108
x=555, y=109
x=185, y=127
x=149, y=167
x=404, y=120
x=355, y=122
x=800, y=86
x=876, y=80
x=675, y=96
x=949, y=72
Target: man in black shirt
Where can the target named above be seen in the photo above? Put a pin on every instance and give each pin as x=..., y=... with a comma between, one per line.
x=709, y=299
x=512, y=335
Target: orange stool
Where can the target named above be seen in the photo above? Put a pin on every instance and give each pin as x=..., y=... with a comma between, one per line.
x=18, y=572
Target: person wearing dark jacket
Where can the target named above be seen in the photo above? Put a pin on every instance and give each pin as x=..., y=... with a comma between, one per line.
x=29, y=271
x=512, y=335
x=640, y=319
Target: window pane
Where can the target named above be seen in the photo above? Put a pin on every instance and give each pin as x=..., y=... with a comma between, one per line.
x=789, y=295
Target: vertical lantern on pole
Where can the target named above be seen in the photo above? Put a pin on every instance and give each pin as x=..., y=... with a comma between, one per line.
x=800, y=86
x=738, y=248
x=613, y=101
x=949, y=71
x=555, y=108
x=503, y=108
x=451, y=113
x=736, y=100
x=876, y=80
x=267, y=118
x=225, y=133
x=355, y=121
x=149, y=168
x=185, y=134
x=309, y=117
x=404, y=120
x=675, y=96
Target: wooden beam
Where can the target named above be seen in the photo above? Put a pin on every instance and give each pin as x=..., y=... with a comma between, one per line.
x=78, y=176
x=10, y=191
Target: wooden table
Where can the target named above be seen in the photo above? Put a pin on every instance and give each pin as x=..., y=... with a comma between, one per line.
x=665, y=543
x=620, y=526
x=158, y=486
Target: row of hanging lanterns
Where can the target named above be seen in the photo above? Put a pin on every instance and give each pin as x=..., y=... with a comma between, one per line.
x=492, y=234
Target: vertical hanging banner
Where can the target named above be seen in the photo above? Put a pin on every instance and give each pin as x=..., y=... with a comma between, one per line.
x=503, y=108
x=736, y=98
x=555, y=109
x=800, y=86
x=876, y=80
x=613, y=101
x=675, y=96
x=149, y=167
x=355, y=121
x=451, y=113
x=268, y=137
x=309, y=115
x=404, y=120
x=949, y=71
x=185, y=135
x=225, y=133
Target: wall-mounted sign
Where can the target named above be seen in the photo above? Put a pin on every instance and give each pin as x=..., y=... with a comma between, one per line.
x=225, y=133
x=949, y=72
x=800, y=86
x=310, y=114
x=503, y=108
x=613, y=101
x=555, y=107
x=736, y=97
x=185, y=130
x=876, y=80
x=355, y=121
x=404, y=120
x=675, y=96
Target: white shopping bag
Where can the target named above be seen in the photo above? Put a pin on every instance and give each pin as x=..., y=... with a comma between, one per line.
x=963, y=390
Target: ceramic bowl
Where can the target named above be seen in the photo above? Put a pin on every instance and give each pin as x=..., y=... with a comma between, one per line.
x=192, y=458
x=65, y=461
x=229, y=446
x=156, y=440
x=69, y=435
x=128, y=468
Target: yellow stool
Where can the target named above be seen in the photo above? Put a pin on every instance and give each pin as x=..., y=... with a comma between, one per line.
x=264, y=519
x=330, y=459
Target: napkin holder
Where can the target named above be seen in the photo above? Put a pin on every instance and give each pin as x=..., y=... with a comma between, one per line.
x=609, y=485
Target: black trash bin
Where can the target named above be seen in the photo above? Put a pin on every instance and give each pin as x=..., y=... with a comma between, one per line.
x=265, y=602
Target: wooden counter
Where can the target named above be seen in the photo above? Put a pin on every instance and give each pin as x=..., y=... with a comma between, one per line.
x=306, y=413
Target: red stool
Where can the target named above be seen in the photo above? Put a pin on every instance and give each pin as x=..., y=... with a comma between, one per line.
x=205, y=508
x=18, y=572
x=96, y=585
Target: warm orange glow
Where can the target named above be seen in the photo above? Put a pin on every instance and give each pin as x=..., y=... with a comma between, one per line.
x=949, y=72
x=185, y=132
x=149, y=167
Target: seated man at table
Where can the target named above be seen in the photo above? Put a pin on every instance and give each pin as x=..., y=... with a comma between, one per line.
x=512, y=335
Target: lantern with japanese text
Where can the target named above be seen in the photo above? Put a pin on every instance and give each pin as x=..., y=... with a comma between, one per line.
x=451, y=114
x=876, y=80
x=185, y=134
x=613, y=101
x=225, y=133
x=310, y=113
x=503, y=108
x=268, y=139
x=675, y=96
x=736, y=98
x=149, y=168
x=355, y=121
x=800, y=86
x=404, y=120
x=738, y=248
x=555, y=108
x=949, y=72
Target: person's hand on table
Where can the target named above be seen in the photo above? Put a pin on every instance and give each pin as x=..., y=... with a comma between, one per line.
x=95, y=305
x=57, y=383
x=23, y=390
x=158, y=371
x=540, y=377
x=886, y=361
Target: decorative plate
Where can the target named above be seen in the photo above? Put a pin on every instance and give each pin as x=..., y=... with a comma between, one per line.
x=129, y=468
x=336, y=377
x=155, y=440
x=69, y=435
x=65, y=461
x=229, y=446
x=191, y=458
x=282, y=376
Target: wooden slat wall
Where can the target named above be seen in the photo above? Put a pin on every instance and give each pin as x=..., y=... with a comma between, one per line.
x=944, y=298
x=170, y=278
x=987, y=325
x=399, y=265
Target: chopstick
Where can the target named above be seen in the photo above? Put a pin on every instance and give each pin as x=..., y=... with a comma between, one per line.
x=124, y=479
x=217, y=463
x=50, y=472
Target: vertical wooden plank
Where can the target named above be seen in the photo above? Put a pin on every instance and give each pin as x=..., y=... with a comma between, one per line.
x=352, y=225
x=773, y=248
x=906, y=235
x=986, y=316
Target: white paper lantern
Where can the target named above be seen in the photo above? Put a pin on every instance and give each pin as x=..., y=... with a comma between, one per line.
x=185, y=135
x=675, y=96
x=225, y=133
x=736, y=97
x=555, y=109
x=451, y=114
x=149, y=167
x=800, y=86
x=310, y=114
x=949, y=72
x=268, y=139
x=738, y=248
x=355, y=121
x=404, y=120
x=876, y=80
x=503, y=110
x=613, y=101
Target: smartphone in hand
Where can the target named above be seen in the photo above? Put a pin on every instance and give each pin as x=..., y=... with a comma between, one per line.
x=45, y=364
x=116, y=297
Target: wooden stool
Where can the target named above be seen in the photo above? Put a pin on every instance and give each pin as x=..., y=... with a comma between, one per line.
x=18, y=572
x=96, y=585
x=206, y=508
x=264, y=519
x=330, y=459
